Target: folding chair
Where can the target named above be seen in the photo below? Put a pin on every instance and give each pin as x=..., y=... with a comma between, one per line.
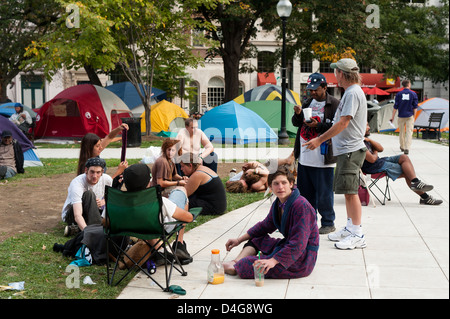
x=139, y=214
x=383, y=191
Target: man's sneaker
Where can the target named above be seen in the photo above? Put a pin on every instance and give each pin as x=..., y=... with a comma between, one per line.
x=421, y=186
x=351, y=242
x=430, y=201
x=326, y=230
x=182, y=253
x=339, y=235
x=406, y=152
x=71, y=230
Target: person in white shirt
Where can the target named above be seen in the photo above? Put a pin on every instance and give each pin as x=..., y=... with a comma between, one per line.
x=85, y=201
x=21, y=118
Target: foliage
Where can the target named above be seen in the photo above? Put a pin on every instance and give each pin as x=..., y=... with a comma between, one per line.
x=21, y=23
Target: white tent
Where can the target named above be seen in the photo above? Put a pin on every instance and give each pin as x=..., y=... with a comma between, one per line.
x=433, y=105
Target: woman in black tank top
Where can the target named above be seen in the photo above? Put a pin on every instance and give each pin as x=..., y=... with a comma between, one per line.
x=204, y=187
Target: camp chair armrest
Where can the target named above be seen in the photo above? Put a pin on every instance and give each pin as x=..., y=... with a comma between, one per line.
x=195, y=211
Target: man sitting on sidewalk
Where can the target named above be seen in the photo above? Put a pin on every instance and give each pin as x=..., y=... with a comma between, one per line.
x=395, y=167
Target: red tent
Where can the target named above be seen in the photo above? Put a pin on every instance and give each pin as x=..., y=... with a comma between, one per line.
x=396, y=90
x=79, y=110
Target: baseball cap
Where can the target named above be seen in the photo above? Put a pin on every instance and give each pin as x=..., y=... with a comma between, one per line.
x=136, y=177
x=6, y=133
x=347, y=65
x=314, y=80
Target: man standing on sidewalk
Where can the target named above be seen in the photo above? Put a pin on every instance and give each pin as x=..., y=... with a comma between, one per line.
x=315, y=171
x=406, y=103
x=347, y=133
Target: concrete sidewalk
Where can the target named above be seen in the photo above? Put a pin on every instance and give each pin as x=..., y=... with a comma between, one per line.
x=407, y=254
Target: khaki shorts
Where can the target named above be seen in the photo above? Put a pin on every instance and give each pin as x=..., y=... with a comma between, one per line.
x=346, y=175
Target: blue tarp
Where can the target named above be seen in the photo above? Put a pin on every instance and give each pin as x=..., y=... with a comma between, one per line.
x=231, y=123
x=128, y=93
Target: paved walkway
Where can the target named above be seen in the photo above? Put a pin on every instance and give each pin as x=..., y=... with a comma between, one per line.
x=407, y=254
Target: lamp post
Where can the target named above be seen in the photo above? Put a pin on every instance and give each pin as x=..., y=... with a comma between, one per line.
x=284, y=8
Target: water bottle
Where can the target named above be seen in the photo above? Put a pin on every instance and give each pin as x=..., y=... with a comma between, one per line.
x=216, y=273
x=151, y=267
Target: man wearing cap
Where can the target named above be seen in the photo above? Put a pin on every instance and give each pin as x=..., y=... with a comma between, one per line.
x=315, y=171
x=85, y=197
x=11, y=156
x=347, y=134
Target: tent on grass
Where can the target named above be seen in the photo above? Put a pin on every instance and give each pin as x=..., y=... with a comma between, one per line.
x=267, y=92
x=165, y=117
x=78, y=110
x=231, y=123
x=270, y=111
x=30, y=157
x=128, y=93
x=433, y=105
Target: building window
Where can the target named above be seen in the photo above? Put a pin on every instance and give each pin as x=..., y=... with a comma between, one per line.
x=216, y=92
x=266, y=62
x=196, y=35
x=325, y=67
x=306, y=67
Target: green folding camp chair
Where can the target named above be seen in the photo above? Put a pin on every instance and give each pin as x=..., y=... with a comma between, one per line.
x=139, y=214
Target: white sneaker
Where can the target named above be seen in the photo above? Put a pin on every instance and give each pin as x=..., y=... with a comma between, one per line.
x=351, y=242
x=339, y=235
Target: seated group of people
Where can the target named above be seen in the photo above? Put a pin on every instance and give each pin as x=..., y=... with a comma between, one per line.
x=198, y=185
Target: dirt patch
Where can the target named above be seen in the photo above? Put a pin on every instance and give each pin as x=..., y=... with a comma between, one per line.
x=35, y=204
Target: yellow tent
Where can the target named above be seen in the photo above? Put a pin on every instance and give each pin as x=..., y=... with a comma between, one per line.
x=161, y=115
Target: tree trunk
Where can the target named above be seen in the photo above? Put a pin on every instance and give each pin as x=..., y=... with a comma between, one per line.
x=92, y=74
x=231, y=71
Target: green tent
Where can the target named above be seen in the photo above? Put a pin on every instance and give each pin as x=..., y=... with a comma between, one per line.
x=270, y=111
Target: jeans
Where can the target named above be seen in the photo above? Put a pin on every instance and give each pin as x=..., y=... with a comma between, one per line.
x=316, y=185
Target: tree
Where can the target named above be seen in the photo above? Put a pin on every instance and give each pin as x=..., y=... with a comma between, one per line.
x=235, y=27
x=139, y=36
x=21, y=23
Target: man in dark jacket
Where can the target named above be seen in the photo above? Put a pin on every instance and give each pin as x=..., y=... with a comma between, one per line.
x=315, y=170
x=11, y=156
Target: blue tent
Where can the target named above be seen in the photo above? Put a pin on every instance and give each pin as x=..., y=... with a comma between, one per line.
x=232, y=123
x=128, y=93
x=30, y=157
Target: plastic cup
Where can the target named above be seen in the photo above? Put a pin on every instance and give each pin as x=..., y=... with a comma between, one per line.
x=307, y=113
x=259, y=276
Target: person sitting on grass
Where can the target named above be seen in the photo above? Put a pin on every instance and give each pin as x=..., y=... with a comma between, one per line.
x=253, y=177
x=295, y=255
x=204, y=187
x=164, y=172
x=11, y=156
x=175, y=207
x=85, y=201
x=92, y=145
x=395, y=167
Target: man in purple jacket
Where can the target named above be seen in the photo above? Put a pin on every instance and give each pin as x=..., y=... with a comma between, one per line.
x=406, y=103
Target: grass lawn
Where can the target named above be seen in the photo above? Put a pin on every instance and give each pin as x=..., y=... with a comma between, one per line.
x=29, y=257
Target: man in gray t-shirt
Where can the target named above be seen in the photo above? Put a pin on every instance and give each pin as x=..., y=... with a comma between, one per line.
x=347, y=134
x=353, y=104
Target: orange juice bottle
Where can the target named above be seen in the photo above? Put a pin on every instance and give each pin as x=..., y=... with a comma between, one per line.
x=216, y=273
